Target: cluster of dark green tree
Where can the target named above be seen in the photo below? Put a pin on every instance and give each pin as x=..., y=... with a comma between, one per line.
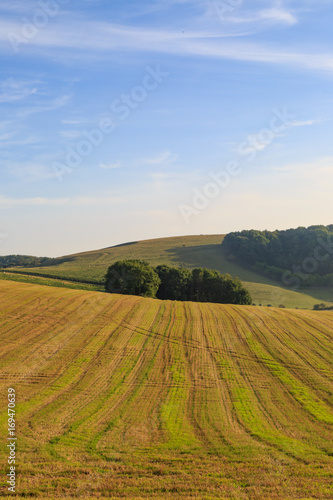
x=24, y=261
x=305, y=254
x=322, y=307
x=137, y=277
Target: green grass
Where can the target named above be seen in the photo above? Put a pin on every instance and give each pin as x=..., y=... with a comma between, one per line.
x=58, y=283
x=190, y=252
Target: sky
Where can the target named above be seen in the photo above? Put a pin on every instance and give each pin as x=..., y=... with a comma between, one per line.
x=123, y=121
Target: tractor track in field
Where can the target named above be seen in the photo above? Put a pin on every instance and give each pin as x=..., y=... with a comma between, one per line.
x=130, y=384
x=200, y=346
x=308, y=362
x=71, y=386
x=194, y=404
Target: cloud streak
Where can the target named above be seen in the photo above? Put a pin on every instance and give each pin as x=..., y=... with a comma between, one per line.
x=79, y=201
x=110, y=166
x=12, y=91
x=164, y=158
x=108, y=39
x=279, y=15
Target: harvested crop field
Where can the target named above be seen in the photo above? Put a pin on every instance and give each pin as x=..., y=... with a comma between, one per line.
x=125, y=397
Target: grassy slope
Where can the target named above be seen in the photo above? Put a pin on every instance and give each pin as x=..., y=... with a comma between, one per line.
x=189, y=251
x=38, y=280
x=138, y=398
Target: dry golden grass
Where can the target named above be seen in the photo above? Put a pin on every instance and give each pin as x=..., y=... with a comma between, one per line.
x=124, y=397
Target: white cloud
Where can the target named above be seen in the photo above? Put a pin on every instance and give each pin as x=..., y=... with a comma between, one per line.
x=25, y=141
x=94, y=201
x=250, y=16
x=14, y=202
x=70, y=134
x=107, y=38
x=164, y=158
x=299, y=123
x=11, y=90
x=18, y=6
x=7, y=136
x=52, y=105
x=79, y=201
x=318, y=172
x=110, y=166
x=75, y=121
x=279, y=15
x=30, y=170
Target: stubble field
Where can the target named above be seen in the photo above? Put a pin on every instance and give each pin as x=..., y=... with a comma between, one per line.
x=125, y=397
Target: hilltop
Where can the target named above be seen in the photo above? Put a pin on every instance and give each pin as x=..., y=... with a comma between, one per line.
x=187, y=251
x=141, y=398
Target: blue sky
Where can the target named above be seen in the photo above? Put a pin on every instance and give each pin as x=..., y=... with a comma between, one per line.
x=131, y=120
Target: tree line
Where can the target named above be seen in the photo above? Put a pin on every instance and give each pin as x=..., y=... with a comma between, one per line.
x=304, y=252
x=137, y=277
x=24, y=261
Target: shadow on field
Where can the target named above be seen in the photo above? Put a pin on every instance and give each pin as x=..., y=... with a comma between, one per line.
x=213, y=257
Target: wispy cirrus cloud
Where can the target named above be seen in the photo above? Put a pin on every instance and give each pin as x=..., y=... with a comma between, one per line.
x=78, y=201
x=110, y=166
x=163, y=158
x=278, y=14
x=256, y=141
x=108, y=39
x=18, y=6
x=6, y=136
x=228, y=11
x=19, y=99
x=315, y=170
x=159, y=160
x=13, y=134
x=70, y=134
x=29, y=171
x=259, y=18
x=49, y=104
x=303, y=123
x=12, y=90
x=12, y=139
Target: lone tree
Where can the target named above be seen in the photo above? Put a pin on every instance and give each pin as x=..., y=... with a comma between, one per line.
x=132, y=277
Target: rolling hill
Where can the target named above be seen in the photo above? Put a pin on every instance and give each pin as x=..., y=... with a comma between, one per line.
x=187, y=251
x=121, y=396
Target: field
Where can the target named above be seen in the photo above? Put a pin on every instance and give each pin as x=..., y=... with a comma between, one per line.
x=54, y=282
x=125, y=397
x=190, y=252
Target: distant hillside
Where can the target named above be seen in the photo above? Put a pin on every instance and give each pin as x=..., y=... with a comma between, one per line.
x=302, y=256
x=187, y=251
x=125, y=397
x=25, y=261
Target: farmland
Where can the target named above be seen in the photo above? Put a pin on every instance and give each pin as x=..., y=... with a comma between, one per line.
x=125, y=397
x=187, y=251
